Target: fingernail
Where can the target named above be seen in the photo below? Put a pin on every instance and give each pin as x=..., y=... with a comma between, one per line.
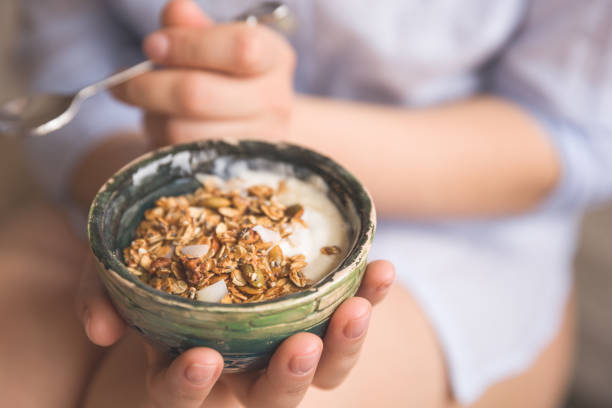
x=156, y=46
x=199, y=374
x=356, y=327
x=303, y=364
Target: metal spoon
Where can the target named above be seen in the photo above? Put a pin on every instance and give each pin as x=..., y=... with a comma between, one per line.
x=41, y=114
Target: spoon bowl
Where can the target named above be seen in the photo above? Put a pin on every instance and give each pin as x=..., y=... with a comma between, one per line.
x=38, y=114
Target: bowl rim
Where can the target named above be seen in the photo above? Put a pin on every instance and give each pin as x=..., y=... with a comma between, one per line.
x=113, y=265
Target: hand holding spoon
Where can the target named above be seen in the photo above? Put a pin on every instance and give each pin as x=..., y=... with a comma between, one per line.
x=41, y=114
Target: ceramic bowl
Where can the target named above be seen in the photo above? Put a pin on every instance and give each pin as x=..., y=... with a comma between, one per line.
x=245, y=334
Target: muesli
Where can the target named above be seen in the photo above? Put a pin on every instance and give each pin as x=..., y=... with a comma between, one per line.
x=231, y=242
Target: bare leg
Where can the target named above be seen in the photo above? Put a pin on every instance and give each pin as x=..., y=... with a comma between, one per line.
x=46, y=359
x=402, y=366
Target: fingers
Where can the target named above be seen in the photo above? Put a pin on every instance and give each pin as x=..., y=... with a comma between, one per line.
x=195, y=94
x=343, y=342
x=287, y=377
x=235, y=48
x=378, y=278
x=100, y=320
x=348, y=326
x=184, y=13
x=186, y=382
x=290, y=371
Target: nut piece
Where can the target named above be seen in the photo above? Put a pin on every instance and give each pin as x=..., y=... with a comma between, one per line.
x=273, y=212
x=180, y=287
x=145, y=262
x=229, y=212
x=161, y=266
x=330, y=250
x=221, y=228
x=216, y=202
x=261, y=191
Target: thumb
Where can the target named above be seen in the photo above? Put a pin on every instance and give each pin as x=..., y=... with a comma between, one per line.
x=186, y=381
x=184, y=13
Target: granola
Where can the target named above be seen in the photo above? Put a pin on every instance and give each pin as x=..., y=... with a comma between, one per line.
x=187, y=245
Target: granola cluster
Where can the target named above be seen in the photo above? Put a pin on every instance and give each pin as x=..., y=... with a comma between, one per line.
x=190, y=242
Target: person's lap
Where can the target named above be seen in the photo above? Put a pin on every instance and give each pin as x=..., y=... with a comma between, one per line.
x=47, y=360
x=45, y=357
x=402, y=366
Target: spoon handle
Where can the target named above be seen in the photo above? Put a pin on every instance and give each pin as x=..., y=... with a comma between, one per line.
x=116, y=79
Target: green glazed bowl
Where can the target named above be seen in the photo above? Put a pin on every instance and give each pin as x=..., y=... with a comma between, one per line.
x=245, y=334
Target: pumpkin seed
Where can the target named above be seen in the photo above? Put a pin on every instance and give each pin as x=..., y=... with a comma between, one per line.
x=275, y=256
x=294, y=211
x=253, y=276
x=297, y=278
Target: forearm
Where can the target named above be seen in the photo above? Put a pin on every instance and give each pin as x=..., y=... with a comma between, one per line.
x=477, y=157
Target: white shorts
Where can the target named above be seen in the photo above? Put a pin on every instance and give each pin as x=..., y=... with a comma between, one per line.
x=494, y=291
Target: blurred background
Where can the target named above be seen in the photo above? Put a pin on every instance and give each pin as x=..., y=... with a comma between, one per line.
x=15, y=185
x=592, y=385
